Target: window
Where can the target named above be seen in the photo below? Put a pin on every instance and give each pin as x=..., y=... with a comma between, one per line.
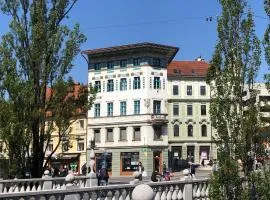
x=50, y=146
x=189, y=109
x=109, y=137
x=204, y=130
x=97, y=66
x=136, y=62
x=157, y=84
x=97, y=135
x=110, y=109
x=156, y=62
x=176, y=130
x=123, y=63
x=97, y=110
x=203, y=109
x=202, y=90
x=123, y=84
x=123, y=134
x=175, y=90
x=137, y=134
x=129, y=161
x=110, y=86
x=157, y=132
x=189, y=90
x=98, y=86
x=175, y=109
x=190, y=130
x=81, y=124
x=65, y=145
x=80, y=145
x=137, y=107
x=156, y=107
x=110, y=65
x=123, y=108
x=136, y=83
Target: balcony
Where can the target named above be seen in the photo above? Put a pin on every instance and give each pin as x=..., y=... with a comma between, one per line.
x=159, y=118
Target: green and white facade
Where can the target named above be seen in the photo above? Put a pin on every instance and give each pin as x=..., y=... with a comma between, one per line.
x=129, y=117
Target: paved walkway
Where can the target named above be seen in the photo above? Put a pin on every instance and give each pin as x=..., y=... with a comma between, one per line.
x=201, y=172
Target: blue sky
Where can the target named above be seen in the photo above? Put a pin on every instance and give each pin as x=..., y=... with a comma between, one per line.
x=180, y=23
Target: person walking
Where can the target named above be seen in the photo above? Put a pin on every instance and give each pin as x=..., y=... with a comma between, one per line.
x=141, y=170
x=192, y=170
x=156, y=176
x=103, y=176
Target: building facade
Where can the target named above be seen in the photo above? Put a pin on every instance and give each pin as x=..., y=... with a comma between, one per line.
x=128, y=120
x=189, y=127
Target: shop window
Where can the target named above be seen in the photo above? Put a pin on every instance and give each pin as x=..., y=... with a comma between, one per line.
x=103, y=159
x=176, y=130
x=204, y=130
x=129, y=161
x=190, y=130
x=137, y=134
x=123, y=134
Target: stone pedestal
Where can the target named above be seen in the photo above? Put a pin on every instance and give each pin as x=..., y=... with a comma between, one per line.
x=47, y=184
x=92, y=180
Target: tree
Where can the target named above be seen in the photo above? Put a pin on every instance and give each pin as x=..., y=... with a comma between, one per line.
x=266, y=41
x=36, y=56
x=233, y=69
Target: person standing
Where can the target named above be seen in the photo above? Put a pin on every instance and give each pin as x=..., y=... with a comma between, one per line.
x=140, y=169
x=103, y=176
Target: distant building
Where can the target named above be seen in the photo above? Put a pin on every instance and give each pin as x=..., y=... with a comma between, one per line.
x=189, y=127
x=129, y=117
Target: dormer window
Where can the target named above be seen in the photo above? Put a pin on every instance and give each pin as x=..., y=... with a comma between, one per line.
x=193, y=72
x=176, y=71
x=97, y=66
x=123, y=63
x=156, y=62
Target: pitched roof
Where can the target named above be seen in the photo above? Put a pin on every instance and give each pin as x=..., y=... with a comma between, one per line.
x=187, y=69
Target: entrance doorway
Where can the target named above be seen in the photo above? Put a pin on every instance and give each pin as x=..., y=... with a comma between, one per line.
x=157, y=161
x=190, y=154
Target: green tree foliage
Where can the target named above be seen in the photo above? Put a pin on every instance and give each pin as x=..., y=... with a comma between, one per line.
x=234, y=66
x=266, y=41
x=36, y=56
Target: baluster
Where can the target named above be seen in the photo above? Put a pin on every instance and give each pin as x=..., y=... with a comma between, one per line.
x=123, y=194
x=180, y=193
x=86, y=196
x=175, y=192
x=94, y=196
x=163, y=196
x=39, y=186
x=158, y=194
x=207, y=190
x=128, y=191
x=16, y=188
x=198, y=192
x=109, y=195
x=5, y=189
x=22, y=188
x=34, y=187
x=28, y=187
x=203, y=190
x=116, y=195
x=169, y=193
x=194, y=191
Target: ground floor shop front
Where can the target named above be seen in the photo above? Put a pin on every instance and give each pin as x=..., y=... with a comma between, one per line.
x=181, y=154
x=124, y=162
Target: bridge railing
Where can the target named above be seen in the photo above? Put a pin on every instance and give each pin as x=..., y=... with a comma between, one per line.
x=167, y=190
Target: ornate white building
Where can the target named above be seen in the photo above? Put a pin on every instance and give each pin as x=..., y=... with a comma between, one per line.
x=129, y=116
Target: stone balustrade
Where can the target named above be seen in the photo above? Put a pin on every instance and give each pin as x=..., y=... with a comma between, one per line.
x=39, y=184
x=167, y=190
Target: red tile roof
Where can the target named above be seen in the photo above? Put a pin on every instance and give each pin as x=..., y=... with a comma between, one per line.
x=187, y=68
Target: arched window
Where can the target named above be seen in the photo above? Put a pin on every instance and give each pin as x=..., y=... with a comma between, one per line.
x=190, y=130
x=176, y=130
x=204, y=130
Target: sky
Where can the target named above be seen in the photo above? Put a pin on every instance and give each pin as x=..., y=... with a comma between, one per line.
x=180, y=23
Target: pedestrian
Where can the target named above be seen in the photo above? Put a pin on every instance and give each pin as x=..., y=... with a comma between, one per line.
x=192, y=170
x=141, y=170
x=84, y=169
x=164, y=168
x=156, y=176
x=103, y=176
x=167, y=176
